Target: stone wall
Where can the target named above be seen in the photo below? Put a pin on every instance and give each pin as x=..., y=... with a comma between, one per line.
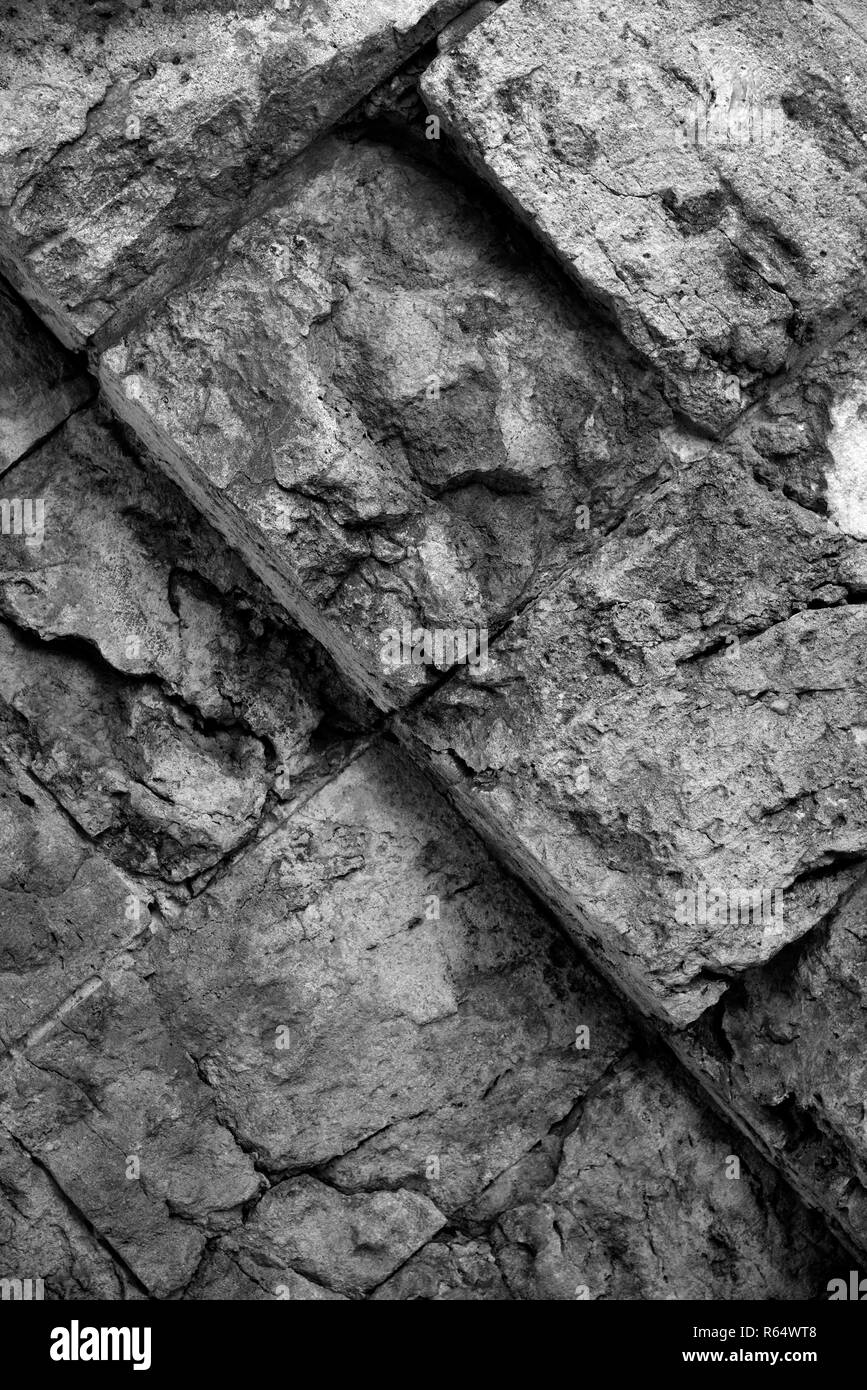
x=433, y=718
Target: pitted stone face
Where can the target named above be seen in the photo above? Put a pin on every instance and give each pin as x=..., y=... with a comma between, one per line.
x=363, y=993
x=274, y=1023
x=187, y=707
x=131, y=133
x=393, y=415
x=672, y=757
x=698, y=170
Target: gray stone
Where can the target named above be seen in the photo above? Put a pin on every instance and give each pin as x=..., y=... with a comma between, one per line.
x=132, y=768
x=437, y=1065
x=785, y=1051
x=113, y=1109
x=454, y=1268
x=393, y=416
x=145, y=678
x=620, y=761
x=348, y=1243
x=40, y=384
x=651, y=1194
x=364, y=990
x=64, y=910
x=363, y=994
x=42, y=1238
x=810, y=440
x=274, y=1025
x=131, y=138
x=221, y=1278
x=698, y=169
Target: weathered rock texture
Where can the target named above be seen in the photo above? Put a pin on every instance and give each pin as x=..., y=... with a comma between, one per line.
x=44, y=1238
x=360, y=1026
x=392, y=414
x=274, y=1022
x=699, y=168
x=742, y=776
x=40, y=384
x=64, y=909
x=357, y=1048
x=131, y=133
x=784, y=1051
x=213, y=709
x=625, y=760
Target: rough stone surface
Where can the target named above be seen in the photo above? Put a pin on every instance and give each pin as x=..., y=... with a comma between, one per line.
x=392, y=998
x=274, y=1023
x=655, y=1164
x=647, y=728
x=63, y=908
x=40, y=384
x=145, y=680
x=131, y=133
x=457, y=1267
x=698, y=168
x=393, y=415
x=810, y=438
x=810, y=1016
x=357, y=1041
x=348, y=1242
x=785, y=1051
x=43, y=1238
x=113, y=1109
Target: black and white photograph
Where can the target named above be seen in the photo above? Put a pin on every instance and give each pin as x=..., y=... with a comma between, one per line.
x=433, y=678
